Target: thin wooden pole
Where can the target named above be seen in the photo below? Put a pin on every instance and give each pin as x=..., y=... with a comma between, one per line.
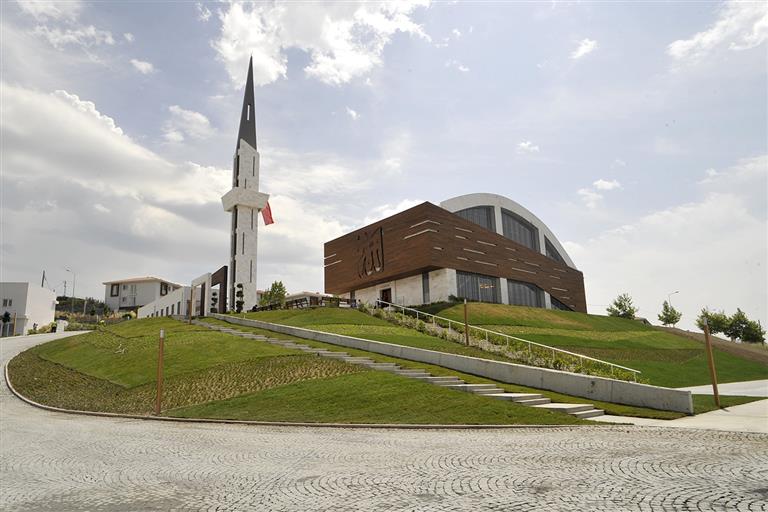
x=160, y=356
x=710, y=358
x=466, y=324
x=191, y=299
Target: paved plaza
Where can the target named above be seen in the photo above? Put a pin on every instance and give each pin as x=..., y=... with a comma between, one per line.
x=59, y=462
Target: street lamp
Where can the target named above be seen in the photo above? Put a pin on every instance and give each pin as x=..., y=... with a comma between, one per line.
x=74, y=277
x=669, y=296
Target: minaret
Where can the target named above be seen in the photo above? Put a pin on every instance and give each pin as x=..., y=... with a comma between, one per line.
x=244, y=201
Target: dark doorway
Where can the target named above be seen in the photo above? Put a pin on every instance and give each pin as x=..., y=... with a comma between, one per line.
x=386, y=295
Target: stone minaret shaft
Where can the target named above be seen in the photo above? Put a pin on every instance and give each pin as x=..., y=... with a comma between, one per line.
x=244, y=202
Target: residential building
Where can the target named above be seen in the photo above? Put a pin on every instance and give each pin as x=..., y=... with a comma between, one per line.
x=28, y=305
x=131, y=294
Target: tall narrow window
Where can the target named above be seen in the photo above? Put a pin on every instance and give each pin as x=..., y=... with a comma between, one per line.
x=253, y=167
x=251, y=218
x=425, y=287
x=250, y=272
x=248, y=113
x=243, y=245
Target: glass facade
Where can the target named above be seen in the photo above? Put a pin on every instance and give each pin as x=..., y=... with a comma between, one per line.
x=480, y=215
x=478, y=287
x=520, y=230
x=556, y=304
x=552, y=252
x=525, y=294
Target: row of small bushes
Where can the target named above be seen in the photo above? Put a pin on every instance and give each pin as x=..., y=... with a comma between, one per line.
x=517, y=351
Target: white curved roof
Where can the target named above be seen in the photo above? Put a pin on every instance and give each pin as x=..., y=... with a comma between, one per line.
x=458, y=203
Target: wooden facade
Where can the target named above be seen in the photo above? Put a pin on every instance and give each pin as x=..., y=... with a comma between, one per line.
x=427, y=237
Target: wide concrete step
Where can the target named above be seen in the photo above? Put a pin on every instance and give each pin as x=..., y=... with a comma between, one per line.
x=358, y=360
x=445, y=380
x=487, y=391
x=412, y=371
x=588, y=414
x=335, y=355
x=569, y=408
x=473, y=387
x=534, y=401
x=383, y=366
x=514, y=397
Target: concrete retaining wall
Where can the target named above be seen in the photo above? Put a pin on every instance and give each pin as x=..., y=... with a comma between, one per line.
x=586, y=386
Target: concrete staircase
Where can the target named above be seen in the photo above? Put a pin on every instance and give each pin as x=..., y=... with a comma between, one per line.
x=450, y=382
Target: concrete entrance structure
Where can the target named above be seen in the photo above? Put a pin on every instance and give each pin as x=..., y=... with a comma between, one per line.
x=244, y=202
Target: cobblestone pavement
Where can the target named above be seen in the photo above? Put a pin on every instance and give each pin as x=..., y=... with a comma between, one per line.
x=59, y=462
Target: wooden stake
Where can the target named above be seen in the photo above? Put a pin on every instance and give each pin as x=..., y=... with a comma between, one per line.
x=710, y=358
x=466, y=324
x=160, y=355
x=191, y=299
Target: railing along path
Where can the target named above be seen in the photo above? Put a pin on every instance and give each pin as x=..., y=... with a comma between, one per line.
x=507, y=337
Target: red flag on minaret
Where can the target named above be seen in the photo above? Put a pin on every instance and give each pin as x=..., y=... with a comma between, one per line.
x=266, y=213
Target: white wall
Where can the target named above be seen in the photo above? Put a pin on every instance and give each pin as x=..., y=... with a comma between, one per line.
x=146, y=292
x=171, y=299
x=409, y=292
x=30, y=303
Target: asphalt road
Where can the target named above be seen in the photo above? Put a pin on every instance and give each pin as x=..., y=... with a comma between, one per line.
x=59, y=462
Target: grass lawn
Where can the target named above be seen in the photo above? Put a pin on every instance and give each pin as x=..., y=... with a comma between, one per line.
x=350, y=322
x=211, y=374
x=372, y=397
x=664, y=359
x=702, y=403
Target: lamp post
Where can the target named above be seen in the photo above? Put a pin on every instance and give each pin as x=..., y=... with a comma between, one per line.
x=74, y=278
x=669, y=297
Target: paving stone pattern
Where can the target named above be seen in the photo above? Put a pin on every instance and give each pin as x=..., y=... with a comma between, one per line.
x=59, y=462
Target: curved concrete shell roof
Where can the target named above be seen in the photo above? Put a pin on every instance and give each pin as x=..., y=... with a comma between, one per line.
x=458, y=203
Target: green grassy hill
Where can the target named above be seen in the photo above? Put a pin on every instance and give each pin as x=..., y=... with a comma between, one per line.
x=665, y=359
x=210, y=374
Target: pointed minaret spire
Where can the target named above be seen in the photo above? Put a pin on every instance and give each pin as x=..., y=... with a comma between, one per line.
x=244, y=201
x=247, y=130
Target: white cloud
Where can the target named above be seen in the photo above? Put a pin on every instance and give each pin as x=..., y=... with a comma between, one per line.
x=85, y=36
x=101, y=208
x=618, y=163
x=143, y=67
x=740, y=26
x=203, y=13
x=186, y=123
x=721, y=237
x=456, y=33
x=586, y=46
x=353, y=114
x=128, y=37
x=602, y=184
x=387, y=210
x=527, y=147
x=89, y=108
x=344, y=41
x=51, y=9
x=456, y=65
x=590, y=197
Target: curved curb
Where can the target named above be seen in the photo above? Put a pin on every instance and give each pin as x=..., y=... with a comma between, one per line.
x=403, y=426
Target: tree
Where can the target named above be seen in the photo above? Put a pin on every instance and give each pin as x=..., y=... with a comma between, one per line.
x=622, y=307
x=669, y=315
x=239, y=302
x=275, y=294
x=753, y=332
x=718, y=321
x=736, y=325
x=214, y=301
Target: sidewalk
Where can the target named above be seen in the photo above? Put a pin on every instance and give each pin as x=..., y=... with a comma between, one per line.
x=746, y=388
x=751, y=417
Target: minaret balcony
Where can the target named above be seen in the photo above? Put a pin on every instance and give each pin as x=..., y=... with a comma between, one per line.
x=240, y=196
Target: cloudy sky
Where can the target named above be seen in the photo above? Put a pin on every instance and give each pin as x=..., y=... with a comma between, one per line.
x=637, y=132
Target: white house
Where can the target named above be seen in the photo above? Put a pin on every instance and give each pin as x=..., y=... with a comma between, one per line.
x=135, y=292
x=175, y=303
x=28, y=305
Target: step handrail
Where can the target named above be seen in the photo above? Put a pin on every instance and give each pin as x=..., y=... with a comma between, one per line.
x=510, y=337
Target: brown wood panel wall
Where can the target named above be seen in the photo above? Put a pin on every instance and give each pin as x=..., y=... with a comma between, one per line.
x=427, y=237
